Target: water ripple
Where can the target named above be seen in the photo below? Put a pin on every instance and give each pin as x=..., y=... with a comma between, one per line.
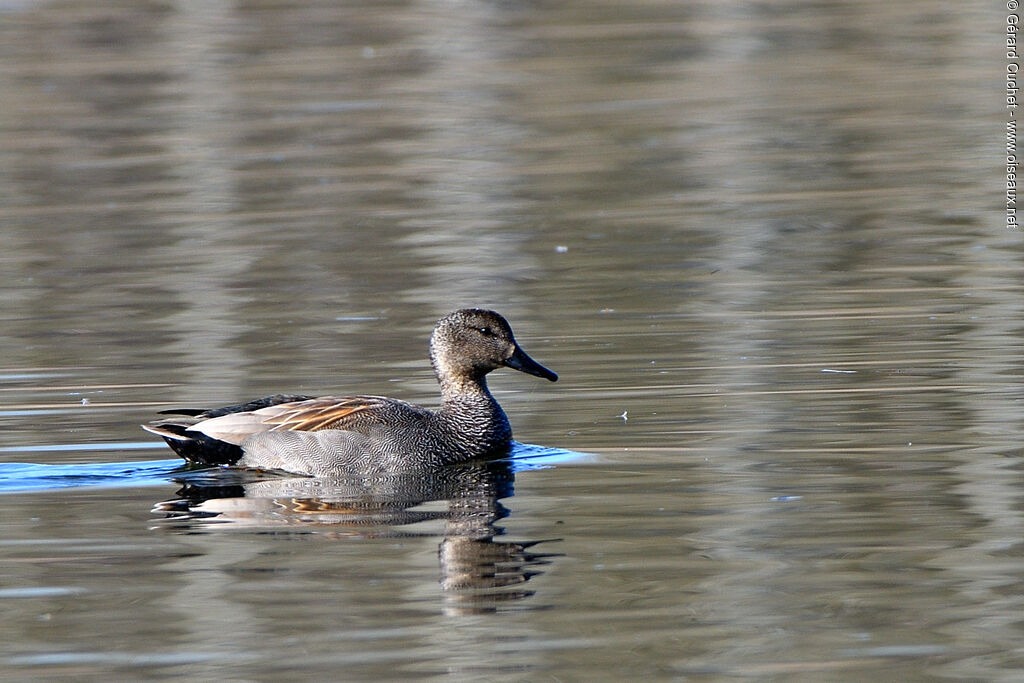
x=19, y=477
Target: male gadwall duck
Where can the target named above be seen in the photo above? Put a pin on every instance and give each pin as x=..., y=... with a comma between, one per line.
x=337, y=436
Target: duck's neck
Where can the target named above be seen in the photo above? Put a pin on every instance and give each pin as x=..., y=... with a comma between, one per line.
x=473, y=417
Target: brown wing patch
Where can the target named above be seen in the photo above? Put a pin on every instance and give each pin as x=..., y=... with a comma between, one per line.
x=326, y=412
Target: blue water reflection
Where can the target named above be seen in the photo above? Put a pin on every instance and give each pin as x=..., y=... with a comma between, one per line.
x=17, y=477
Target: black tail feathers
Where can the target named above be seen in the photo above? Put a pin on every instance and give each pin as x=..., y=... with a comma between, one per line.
x=195, y=447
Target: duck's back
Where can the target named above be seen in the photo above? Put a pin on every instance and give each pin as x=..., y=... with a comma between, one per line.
x=332, y=436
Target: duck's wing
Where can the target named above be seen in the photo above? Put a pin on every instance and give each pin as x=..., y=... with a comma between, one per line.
x=325, y=412
x=328, y=412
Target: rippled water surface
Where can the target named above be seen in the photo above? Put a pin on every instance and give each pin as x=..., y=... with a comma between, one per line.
x=761, y=244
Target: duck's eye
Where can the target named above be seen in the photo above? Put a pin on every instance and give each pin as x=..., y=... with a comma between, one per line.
x=486, y=331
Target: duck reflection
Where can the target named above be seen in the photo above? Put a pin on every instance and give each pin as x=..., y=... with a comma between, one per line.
x=478, y=572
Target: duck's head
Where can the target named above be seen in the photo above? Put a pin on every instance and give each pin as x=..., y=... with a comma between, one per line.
x=470, y=342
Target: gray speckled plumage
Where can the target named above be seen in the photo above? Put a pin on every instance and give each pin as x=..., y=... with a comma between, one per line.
x=335, y=436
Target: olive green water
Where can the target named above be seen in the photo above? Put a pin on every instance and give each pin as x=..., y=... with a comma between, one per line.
x=761, y=243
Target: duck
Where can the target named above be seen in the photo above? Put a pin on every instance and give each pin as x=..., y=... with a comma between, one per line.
x=334, y=436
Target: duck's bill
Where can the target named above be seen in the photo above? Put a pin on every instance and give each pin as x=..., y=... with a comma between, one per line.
x=520, y=361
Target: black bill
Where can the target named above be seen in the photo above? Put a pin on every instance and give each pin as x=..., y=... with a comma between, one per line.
x=520, y=361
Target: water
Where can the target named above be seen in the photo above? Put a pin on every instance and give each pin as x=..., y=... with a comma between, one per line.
x=761, y=244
